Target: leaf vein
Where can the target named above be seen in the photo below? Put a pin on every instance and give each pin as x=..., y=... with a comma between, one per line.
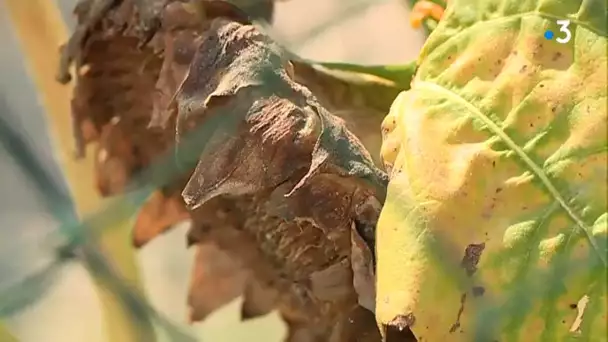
x=538, y=171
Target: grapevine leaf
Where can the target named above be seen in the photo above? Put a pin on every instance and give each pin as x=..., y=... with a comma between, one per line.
x=217, y=279
x=157, y=215
x=271, y=159
x=358, y=94
x=400, y=74
x=258, y=299
x=494, y=226
x=275, y=160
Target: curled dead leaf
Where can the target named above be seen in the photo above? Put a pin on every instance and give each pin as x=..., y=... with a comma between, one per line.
x=278, y=160
x=156, y=216
x=259, y=299
x=362, y=261
x=217, y=279
x=280, y=184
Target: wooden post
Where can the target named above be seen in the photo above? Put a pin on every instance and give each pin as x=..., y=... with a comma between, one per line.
x=40, y=30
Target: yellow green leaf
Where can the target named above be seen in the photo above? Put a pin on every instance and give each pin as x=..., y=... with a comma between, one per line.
x=6, y=335
x=494, y=228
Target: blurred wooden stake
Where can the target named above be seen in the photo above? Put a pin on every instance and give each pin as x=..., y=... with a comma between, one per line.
x=40, y=30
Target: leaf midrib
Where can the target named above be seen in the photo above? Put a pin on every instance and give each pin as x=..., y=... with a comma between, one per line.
x=535, y=169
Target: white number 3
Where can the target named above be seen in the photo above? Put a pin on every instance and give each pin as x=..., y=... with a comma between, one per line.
x=563, y=27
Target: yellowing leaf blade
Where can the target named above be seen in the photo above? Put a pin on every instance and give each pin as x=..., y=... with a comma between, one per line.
x=498, y=178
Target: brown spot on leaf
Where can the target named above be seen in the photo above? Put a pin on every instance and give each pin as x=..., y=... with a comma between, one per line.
x=472, y=254
x=478, y=291
x=456, y=325
x=557, y=56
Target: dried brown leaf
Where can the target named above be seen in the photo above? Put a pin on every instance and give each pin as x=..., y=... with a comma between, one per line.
x=362, y=262
x=259, y=299
x=116, y=70
x=358, y=326
x=217, y=279
x=360, y=99
x=341, y=90
x=282, y=187
x=270, y=126
x=293, y=178
x=156, y=216
x=113, y=94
